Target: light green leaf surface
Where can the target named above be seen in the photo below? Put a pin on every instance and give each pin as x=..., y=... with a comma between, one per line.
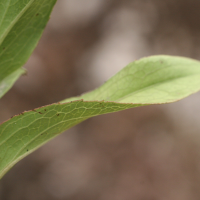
x=153, y=80
x=8, y=82
x=21, y=25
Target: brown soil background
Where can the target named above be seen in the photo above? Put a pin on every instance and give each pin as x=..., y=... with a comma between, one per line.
x=147, y=153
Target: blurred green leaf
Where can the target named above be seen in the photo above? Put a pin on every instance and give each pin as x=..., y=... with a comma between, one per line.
x=153, y=80
x=8, y=81
x=21, y=25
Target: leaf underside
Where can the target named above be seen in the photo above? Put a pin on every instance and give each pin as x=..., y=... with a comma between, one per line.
x=21, y=25
x=153, y=80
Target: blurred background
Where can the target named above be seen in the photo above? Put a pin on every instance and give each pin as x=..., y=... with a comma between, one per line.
x=146, y=153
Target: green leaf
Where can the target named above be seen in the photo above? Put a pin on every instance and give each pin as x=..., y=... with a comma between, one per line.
x=21, y=25
x=153, y=80
x=8, y=82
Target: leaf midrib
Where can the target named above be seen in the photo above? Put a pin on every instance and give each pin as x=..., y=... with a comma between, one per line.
x=153, y=85
x=15, y=20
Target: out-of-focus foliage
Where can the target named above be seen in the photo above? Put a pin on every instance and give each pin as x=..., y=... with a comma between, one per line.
x=21, y=25
x=149, y=152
